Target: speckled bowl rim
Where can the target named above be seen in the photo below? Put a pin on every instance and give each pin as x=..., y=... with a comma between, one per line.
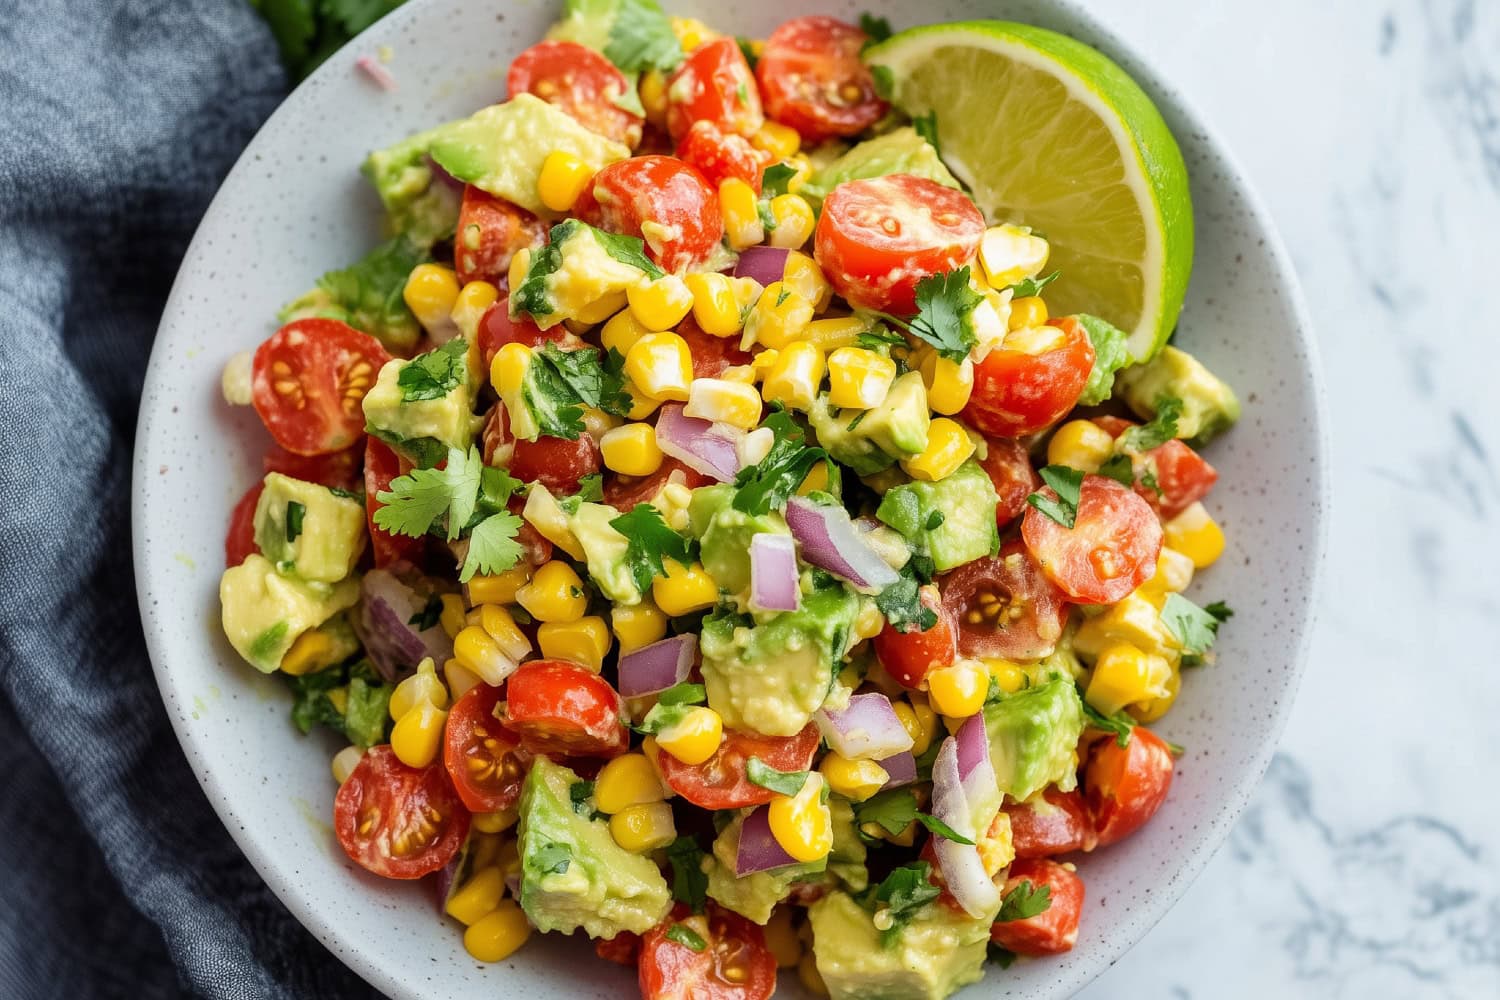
x=1131, y=926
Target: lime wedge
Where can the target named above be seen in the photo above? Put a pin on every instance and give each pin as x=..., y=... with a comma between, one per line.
x=1049, y=133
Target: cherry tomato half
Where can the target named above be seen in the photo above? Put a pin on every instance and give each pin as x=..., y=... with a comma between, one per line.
x=1009, y=468
x=624, y=492
x=497, y=327
x=490, y=231
x=719, y=155
x=398, y=821
x=556, y=463
x=1018, y=393
x=381, y=466
x=561, y=708
x=878, y=237
x=622, y=949
x=485, y=762
x=1058, y=824
x=720, y=781
x=339, y=470
x=309, y=380
x=714, y=84
x=812, y=79
x=1124, y=786
x=1055, y=929
x=908, y=656
x=581, y=82
x=661, y=190
x=1110, y=550
x=1005, y=606
x=735, y=965
x=239, y=542
x=1182, y=476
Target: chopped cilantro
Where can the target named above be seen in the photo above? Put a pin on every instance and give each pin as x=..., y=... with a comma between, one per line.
x=905, y=891
x=943, y=830
x=591, y=487
x=1002, y=957
x=428, y=616
x=892, y=811
x=1067, y=484
x=689, y=883
x=421, y=498
x=629, y=250
x=579, y=794
x=1194, y=627
x=927, y=127
x=944, y=302
x=934, y=520
x=773, y=179
x=1119, y=724
x=1025, y=901
x=747, y=49
x=1221, y=611
x=879, y=338
x=435, y=374
x=649, y=539
x=1120, y=469
x=552, y=859
x=1158, y=430
x=878, y=28
x=593, y=380
x=687, y=937
x=901, y=603
x=885, y=81
x=641, y=37
x=781, y=782
x=1033, y=286
x=492, y=546
x=685, y=693
x=767, y=485
x=295, y=512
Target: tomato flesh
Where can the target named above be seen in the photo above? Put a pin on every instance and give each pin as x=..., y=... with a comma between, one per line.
x=812, y=79
x=1016, y=393
x=308, y=382
x=398, y=821
x=720, y=155
x=381, y=466
x=485, y=762
x=624, y=492
x=556, y=707
x=1004, y=606
x=909, y=655
x=720, y=782
x=497, y=327
x=1009, y=468
x=490, y=231
x=714, y=84
x=1182, y=476
x=1125, y=786
x=1055, y=929
x=239, y=542
x=1110, y=550
x=736, y=964
x=556, y=463
x=664, y=191
x=581, y=82
x=1058, y=825
x=338, y=470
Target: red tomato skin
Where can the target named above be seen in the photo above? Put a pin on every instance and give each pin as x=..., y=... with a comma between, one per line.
x=472, y=719
x=672, y=971
x=624, y=492
x=711, y=355
x=239, y=542
x=1016, y=393
x=1064, y=827
x=714, y=84
x=720, y=781
x=1009, y=468
x=719, y=155
x=1055, y=929
x=497, y=327
x=339, y=470
x=805, y=60
x=1125, y=786
x=379, y=776
x=556, y=463
x=1032, y=632
x=660, y=189
x=622, y=949
x=877, y=238
x=908, y=656
x=556, y=707
x=308, y=381
x=382, y=465
x=1183, y=476
x=581, y=82
x=1110, y=550
x=490, y=231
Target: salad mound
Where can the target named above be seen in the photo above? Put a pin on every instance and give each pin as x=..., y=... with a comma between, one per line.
x=704, y=535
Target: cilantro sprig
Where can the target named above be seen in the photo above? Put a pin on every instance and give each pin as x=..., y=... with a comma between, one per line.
x=689, y=883
x=687, y=937
x=1119, y=725
x=1025, y=901
x=1194, y=628
x=1157, y=431
x=944, y=304
x=435, y=374
x=648, y=540
x=1067, y=483
x=781, y=782
x=901, y=603
x=767, y=485
x=1027, y=287
x=465, y=497
x=903, y=892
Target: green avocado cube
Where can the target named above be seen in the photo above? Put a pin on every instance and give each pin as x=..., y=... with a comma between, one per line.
x=1034, y=738
x=1209, y=406
x=414, y=420
x=607, y=551
x=952, y=520
x=870, y=441
x=264, y=612
x=752, y=896
x=933, y=955
x=899, y=151
x=307, y=530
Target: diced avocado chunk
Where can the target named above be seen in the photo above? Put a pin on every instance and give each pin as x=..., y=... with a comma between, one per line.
x=900, y=151
x=752, y=896
x=858, y=452
x=579, y=266
x=632, y=34
x=500, y=149
x=415, y=421
x=1209, y=406
x=307, y=530
x=1034, y=737
x=606, y=549
x=573, y=874
x=264, y=612
x=771, y=678
x=933, y=955
x=869, y=441
x=400, y=173
x=951, y=520
x=847, y=858
x=725, y=535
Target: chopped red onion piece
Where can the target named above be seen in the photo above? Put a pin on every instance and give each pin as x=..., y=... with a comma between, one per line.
x=900, y=769
x=658, y=666
x=758, y=851
x=866, y=729
x=831, y=541
x=773, y=573
x=962, y=867
x=975, y=771
x=383, y=622
x=376, y=71
x=703, y=446
x=764, y=264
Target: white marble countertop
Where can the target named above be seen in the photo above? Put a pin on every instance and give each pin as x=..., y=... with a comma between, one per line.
x=1369, y=863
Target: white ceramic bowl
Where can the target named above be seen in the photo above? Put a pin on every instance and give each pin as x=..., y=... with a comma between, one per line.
x=295, y=206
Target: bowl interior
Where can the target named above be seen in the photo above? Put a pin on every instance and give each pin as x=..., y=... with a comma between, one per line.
x=295, y=206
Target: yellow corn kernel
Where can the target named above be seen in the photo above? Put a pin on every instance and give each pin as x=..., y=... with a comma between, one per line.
x=949, y=383
x=478, y=896
x=1196, y=535
x=473, y=301
x=631, y=450
x=801, y=823
x=720, y=400
x=778, y=317
x=644, y=827
x=584, y=642
x=927, y=723
x=313, y=650
x=562, y=179
x=835, y=332
x=498, y=588
x=794, y=377
x=948, y=447
x=855, y=780
x=1034, y=340
x=661, y=304
x=1153, y=709
x=684, y=589
x=1133, y=620
x=555, y=594
x=641, y=405
x=638, y=625
x=870, y=622
x=478, y=653
x=810, y=977
x=660, y=366
x=958, y=691
x=1081, y=445
x=815, y=481
x=742, y=222
x=627, y=781
x=459, y=678
x=422, y=687
x=452, y=616
x=691, y=32
x=716, y=308
x=777, y=139
x=508, y=370
x=654, y=97
x=484, y=849
x=345, y=761
x=502, y=627
x=695, y=737
x=498, y=821
x=418, y=734
x=1026, y=312
x=1010, y=253
x=1010, y=676
x=496, y=935
x=520, y=263
x=602, y=308
x=430, y=292
x=803, y=170
x=794, y=221
x=622, y=331
x=1174, y=571
x=802, y=275
x=859, y=379
x=339, y=698
x=762, y=363
x=1123, y=675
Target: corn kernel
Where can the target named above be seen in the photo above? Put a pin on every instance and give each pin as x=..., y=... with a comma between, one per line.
x=551, y=522
x=1035, y=340
x=794, y=377
x=733, y=403
x=803, y=169
x=477, y=897
x=855, y=780
x=661, y=304
x=478, y=653
x=638, y=625
x=859, y=379
x=1008, y=675
x=654, y=97
x=870, y=622
x=627, y=781
x=562, y=179
x=602, y=308
x=508, y=370
x=644, y=827
x=422, y=687
x=958, y=691
x=949, y=383
x=684, y=589
x=815, y=481
x=762, y=363
x=801, y=823
x=1081, y=445
x=1124, y=675
x=1196, y=535
x=520, y=263
x=473, y=301
x=742, y=222
x=794, y=221
x=314, y=650
x=584, y=642
x=459, y=678
x=919, y=721
x=497, y=588
x=778, y=317
x=834, y=332
x=695, y=737
x=1010, y=253
x=948, y=447
x=622, y=331
x=452, y=616
x=641, y=405
x=631, y=450
x=1027, y=311
x=1153, y=709
x=502, y=627
x=418, y=734
x=496, y=935
x=660, y=366
x=782, y=939
x=802, y=275
x=1133, y=620
x=498, y=821
x=430, y=292
x=691, y=32
x=555, y=594
x=345, y=761
x=777, y=139
x=716, y=308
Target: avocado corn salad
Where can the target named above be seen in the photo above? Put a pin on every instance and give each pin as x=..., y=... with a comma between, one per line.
x=704, y=537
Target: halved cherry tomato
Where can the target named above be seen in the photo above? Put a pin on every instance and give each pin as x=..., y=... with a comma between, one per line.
x=878, y=237
x=581, y=82
x=1183, y=477
x=1110, y=550
x=1016, y=393
x=909, y=655
x=560, y=708
x=735, y=965
x=490, y=231
x=718, y=154
x=484, y=760
x=497, y=327
x=535, y=549
x=622, y=949
x=309, y=380
x=1055, y=929
x=339, y=470
x=624, y=492
x=813, y=79
x=556, y=463
x=662, y=190
x=714, y=84
x=239, y=543
x=398, y=821
x=1124, y=786
x=1058, y=824
x=720, y=781
x=711, y=355
x=381, y=466
x=1005, y=607
x=1009, y=468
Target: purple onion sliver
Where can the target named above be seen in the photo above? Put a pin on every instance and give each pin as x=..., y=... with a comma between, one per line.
x=763, y=264
x=758, y=850
x=658, y=666
x=900, y=769
x=867, y=728
x=830, y=541
x=773, y=573
x=698, y=444
x=383, y=624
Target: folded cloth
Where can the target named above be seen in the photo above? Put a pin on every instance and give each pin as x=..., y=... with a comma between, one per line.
x=118, y=119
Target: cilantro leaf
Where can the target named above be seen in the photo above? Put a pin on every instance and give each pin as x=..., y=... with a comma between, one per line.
x=1067, y=484
x=879, y=338
x=591, y=487
x=1194, y=627
x=687, y=937
x=927, y=127
x=1025, y=901
x=593, y=381
x=944, y=302
x=649, y=539
x=1148, y=478
x=551, y=859
x=904, y=891
x=901, y=603
x=641, y=37
x=629, y=250
x=431, y=612
x=747, y=49
x=1120, y=469
x=1110, y=355
x=767, y=485
x=364, y=715
x=884, y=80
x=685, y=693
x=1027, y=287
x=435, y=374
x=1002, y=957
x=1221, y=611
x=878, y=28
x=773, y=180
x=420, y=498
x=1119, y=724
x=371, y=290
x=492, y=546
x=766, y=216
x=892, y=811
x=1158, y=430
x=782, y=782
x=689, y=883
x=579, y=793
x=295, y=512
x=943, y=830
